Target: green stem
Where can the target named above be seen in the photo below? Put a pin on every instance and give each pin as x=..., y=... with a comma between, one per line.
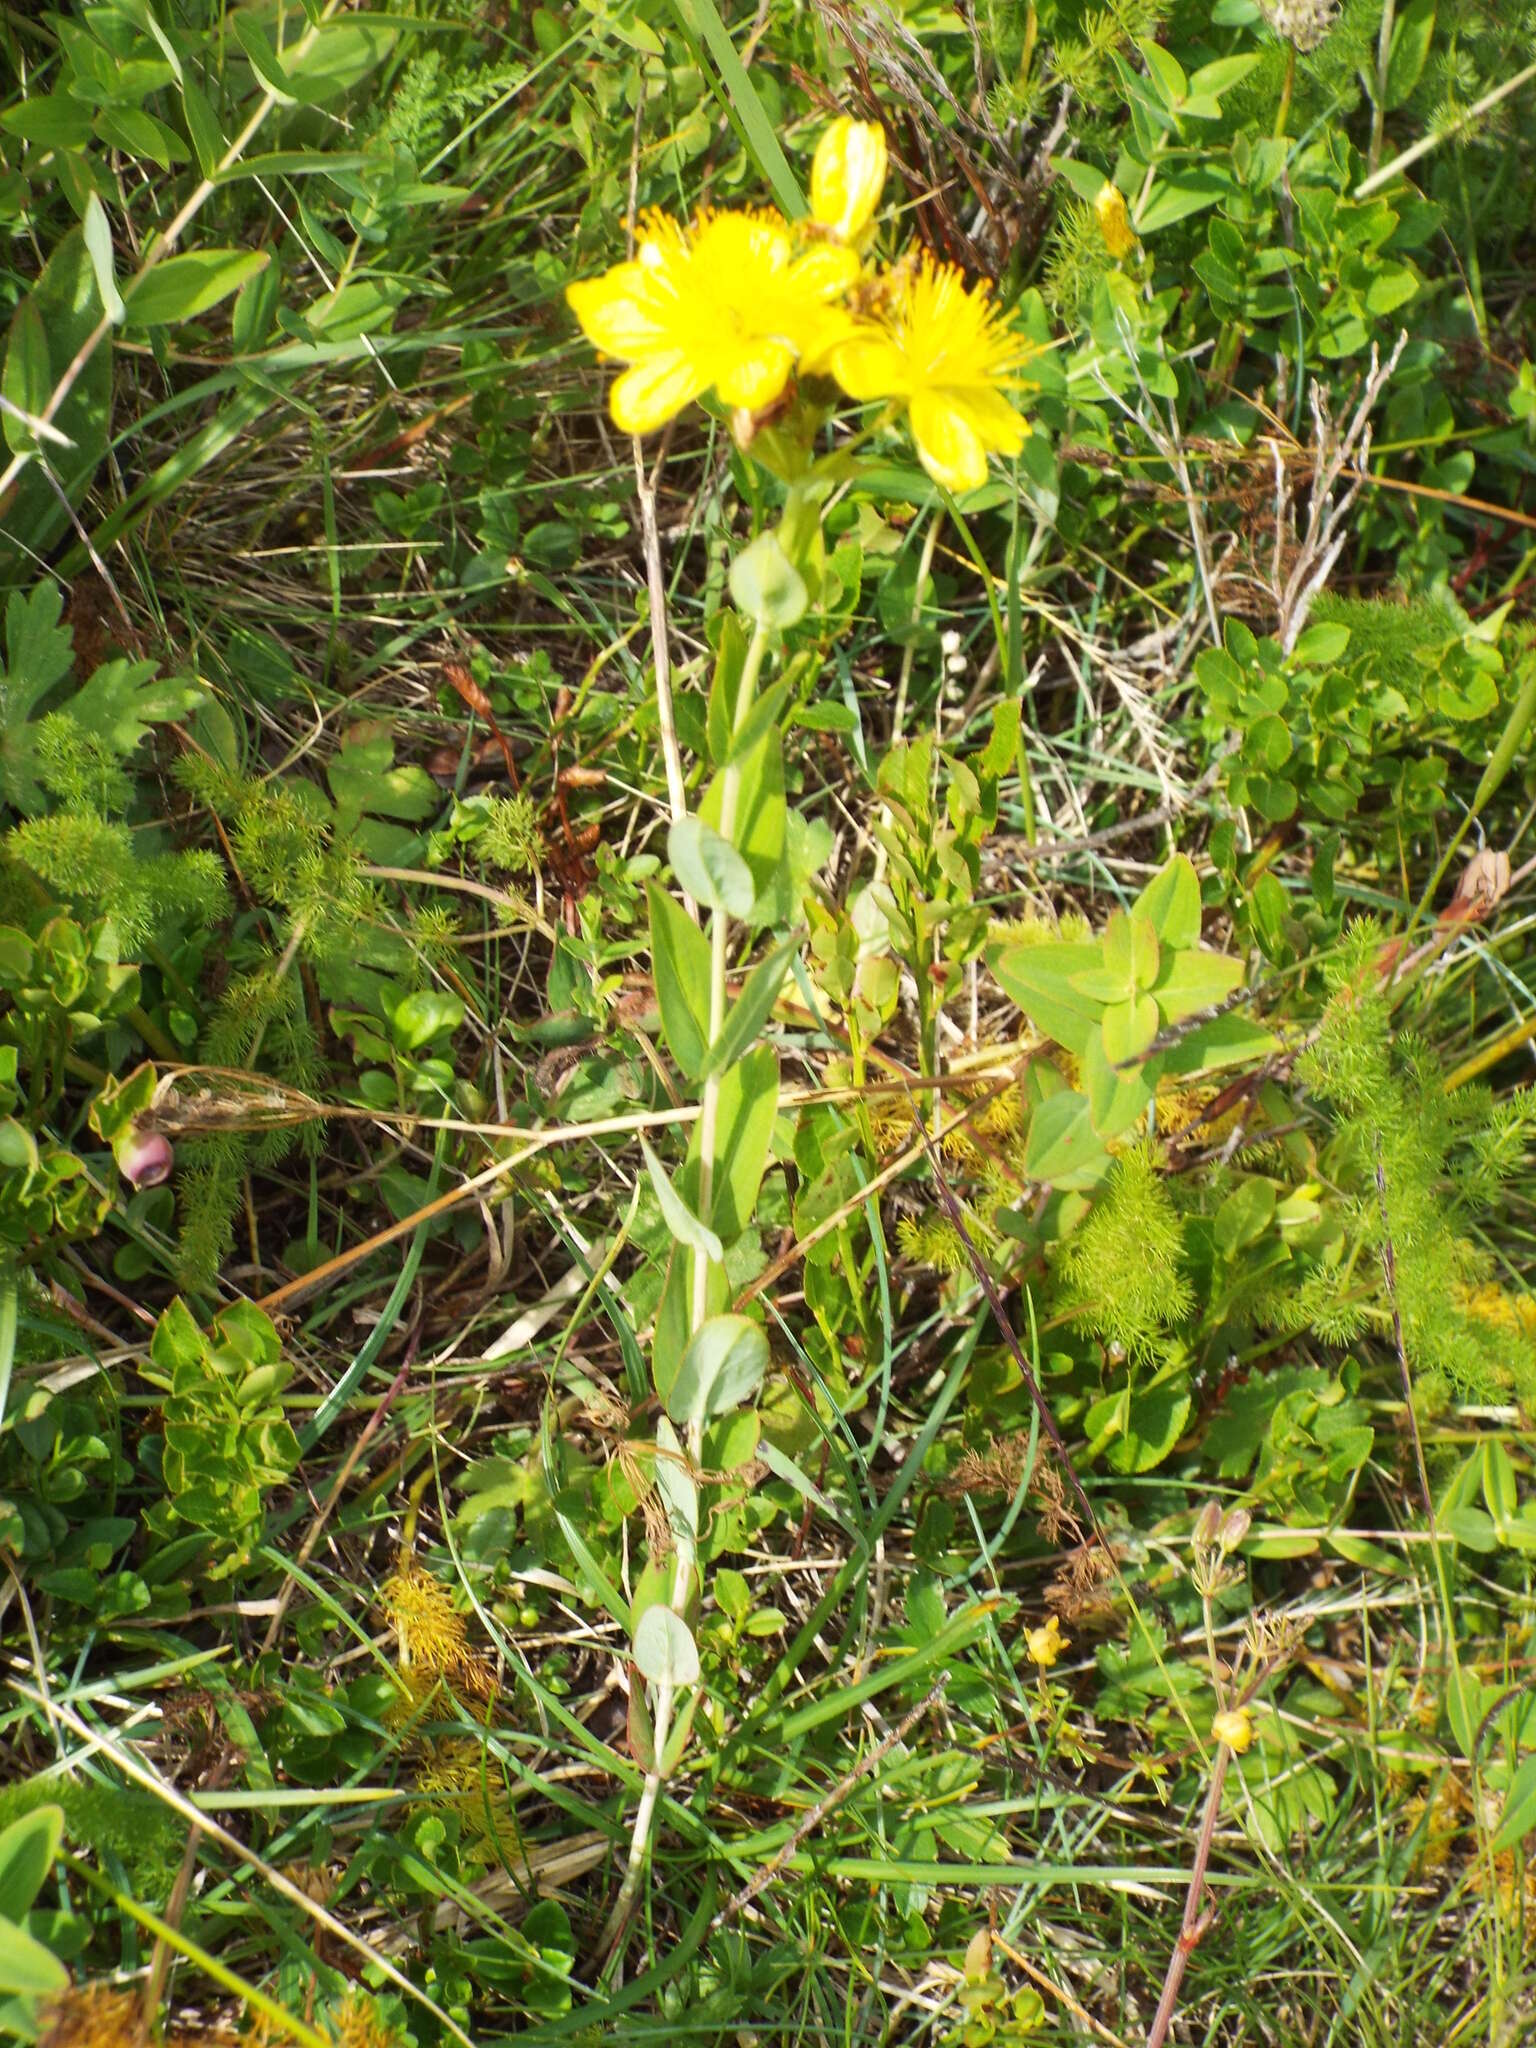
x=1376, y=179
x=719, y=961
x=909, y=655
x=709, y=1110
x=1026, y=788
x=1383, y=65
x=160, y=1045
x=1284, y=113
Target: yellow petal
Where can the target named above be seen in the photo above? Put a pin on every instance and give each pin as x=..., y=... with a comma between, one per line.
x=824, y=272
x=868, y=365
x=615, y=312
x=1114, y=220
x=948, y=444
x=1001, y=428
x=647, y=396
x=741, y=244
x=847, y=176
x=821, y=335
x=756, y=377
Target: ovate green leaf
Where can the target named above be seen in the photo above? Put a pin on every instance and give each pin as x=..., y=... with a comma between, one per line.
x=722, y=1368
x=678, y=1217
x=664, y=1649
x=744, y=1114
x=1171, y=900
x=27, y=1849
x=183, y=286
x=709, y=867
x=680, y=966
x=1039, y=980
x=750, y=1011
x=1195, y=981
x=27, y=1969
x=1412, y=33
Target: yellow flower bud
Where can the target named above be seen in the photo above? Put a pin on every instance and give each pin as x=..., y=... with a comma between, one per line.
x=1235, y=1729
x=1114, y=221
x=1046, y=1644
x=847, y=176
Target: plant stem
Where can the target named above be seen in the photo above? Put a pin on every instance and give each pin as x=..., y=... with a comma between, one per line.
x=909, y=655
x=1196, y=1921
x=719, y=957
x=1383, y=64
x=1433, y=140
x=709, y=1110
x=1284, y=113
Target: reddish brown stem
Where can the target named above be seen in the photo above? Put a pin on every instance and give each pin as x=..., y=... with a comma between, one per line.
x=1197, y=1917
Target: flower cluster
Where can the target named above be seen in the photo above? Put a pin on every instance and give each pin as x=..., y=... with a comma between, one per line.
x=739, y=302
x=1302, y=22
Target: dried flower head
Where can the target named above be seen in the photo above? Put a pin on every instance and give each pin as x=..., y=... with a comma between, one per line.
x=92, y=2016
x=1049, y=1498
x=1080, y=1590
x=998, y=1469
x=1303, y=23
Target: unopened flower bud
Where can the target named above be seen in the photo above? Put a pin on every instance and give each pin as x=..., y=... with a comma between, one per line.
x=1209, y=1525
x=1235, y=1526
x=1235, y=1729
x=144, y=1158
x=1114, y=221
x=847, y=177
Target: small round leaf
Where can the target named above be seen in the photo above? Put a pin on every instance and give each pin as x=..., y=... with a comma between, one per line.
x=710, y=868
x=664, y=1649
x=766, y=585
x=722, y=1367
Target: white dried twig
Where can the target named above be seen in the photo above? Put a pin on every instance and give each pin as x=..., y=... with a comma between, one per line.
x=1334, y=455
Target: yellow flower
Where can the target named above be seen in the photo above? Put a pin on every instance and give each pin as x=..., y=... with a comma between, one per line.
x=724, y=305
x=1114, y=221
x=1235, y=1729
x=1046, y=1644
x=954, y=359
x=847, y=177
